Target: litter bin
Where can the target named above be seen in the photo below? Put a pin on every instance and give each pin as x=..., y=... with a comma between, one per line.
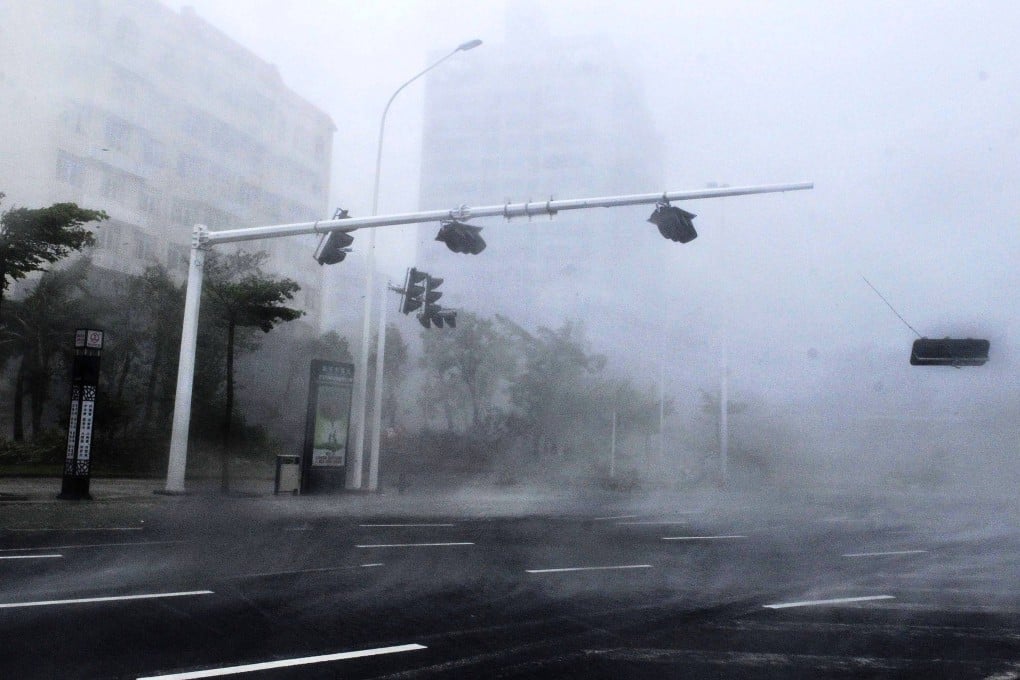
x=288, y=474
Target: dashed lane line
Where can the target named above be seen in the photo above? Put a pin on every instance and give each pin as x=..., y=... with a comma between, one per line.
x=284, y=663
x=29, y=531
x=28, y=557
x=884, y=554
x=701, y=538
x=407, y=545
x=820, y=603
x=90, y=545
x=405, y=525
x=115, y=598
x=267, y=574
x=561, y=570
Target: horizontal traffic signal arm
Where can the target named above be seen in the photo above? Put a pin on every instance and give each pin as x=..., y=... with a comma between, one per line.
x=506, y=210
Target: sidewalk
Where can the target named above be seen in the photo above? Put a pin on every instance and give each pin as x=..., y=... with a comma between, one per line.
x=105, y=489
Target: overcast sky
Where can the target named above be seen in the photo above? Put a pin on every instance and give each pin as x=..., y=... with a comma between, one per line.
x=904, y=114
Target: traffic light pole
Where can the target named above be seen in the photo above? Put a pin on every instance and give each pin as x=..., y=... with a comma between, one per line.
x=203, y=240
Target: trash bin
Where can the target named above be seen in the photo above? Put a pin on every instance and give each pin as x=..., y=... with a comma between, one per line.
x=288, y=474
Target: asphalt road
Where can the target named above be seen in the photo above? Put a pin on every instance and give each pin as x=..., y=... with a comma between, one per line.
x=668, y=587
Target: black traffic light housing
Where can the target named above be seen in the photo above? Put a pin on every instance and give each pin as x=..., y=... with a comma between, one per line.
x=461, y=238
x=413, y=292
x=337, y=244
x=674, y=223
x=949, y=352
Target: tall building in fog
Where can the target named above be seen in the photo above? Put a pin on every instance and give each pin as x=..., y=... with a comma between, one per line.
x=533, y=118
x=162, y=121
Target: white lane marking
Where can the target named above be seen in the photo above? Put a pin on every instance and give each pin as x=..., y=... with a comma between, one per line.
x=698, y=538
x=883, y=554
x=116, y=598
x=603, y=519
x=678, y=521
x=305, y=571
x=298, y=529
x=400, y=525
x=849, y=520
x=407, y=545
x=838, y=600
x=564, y=569
x=27, y=557
x=90, y=545
x=80, y=529
x=284, y=663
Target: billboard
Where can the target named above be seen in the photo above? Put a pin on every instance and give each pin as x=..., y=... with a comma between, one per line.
x=330, y=387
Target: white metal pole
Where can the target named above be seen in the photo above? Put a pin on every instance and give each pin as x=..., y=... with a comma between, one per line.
x=361, y=397
x=506, y=210
x=612, y=449
x=361, y=385
x=186, y=366
x=724, y=432
x=662, y=410
x=380, y=353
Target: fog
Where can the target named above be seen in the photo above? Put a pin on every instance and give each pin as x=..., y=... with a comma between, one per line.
x=905, y=119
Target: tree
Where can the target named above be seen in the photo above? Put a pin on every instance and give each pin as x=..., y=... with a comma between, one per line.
x=553, y=393
x=394, y=370
x=466, y=364
x=241, y=295
x=37, y=330
x=33, y=237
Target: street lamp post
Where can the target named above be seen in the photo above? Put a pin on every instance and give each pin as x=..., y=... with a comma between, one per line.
x=361, y=396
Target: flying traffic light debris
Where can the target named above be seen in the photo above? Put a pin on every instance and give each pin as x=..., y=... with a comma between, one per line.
x=461, y=238
x=674, y=223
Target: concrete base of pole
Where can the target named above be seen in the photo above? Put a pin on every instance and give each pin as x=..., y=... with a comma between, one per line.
x=166, y=492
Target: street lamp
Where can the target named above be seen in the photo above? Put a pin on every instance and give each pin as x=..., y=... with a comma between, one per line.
x=361, y=397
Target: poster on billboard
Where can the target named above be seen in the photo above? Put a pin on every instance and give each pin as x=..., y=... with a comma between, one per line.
x=330, y=410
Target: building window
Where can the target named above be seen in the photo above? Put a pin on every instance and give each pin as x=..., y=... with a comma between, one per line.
x=75, y=119
x=148, y=201
x=153, y=154
x=70, y=169
x=110, y=236
x=118, y=134
x=145, y=246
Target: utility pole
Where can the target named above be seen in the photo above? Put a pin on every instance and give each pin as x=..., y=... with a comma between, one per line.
x=612, y=448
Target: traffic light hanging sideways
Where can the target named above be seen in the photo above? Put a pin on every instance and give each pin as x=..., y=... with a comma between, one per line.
x=674, y=223
x=461, y=238
x=337, y=243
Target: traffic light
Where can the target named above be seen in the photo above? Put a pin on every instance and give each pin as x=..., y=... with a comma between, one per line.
x=413, y=291
x=461, y=238
x=674, y=223
x=949, y=352
x=431, y=313
x=337, y=243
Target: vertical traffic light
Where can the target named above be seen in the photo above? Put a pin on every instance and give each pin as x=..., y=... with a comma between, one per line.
x=413, y=292
x=431, y=313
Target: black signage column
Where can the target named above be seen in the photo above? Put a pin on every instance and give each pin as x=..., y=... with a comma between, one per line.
x=88, y=346
x=324, y=459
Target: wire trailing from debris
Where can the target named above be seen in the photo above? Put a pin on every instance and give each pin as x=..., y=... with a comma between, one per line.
x=898, y=315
